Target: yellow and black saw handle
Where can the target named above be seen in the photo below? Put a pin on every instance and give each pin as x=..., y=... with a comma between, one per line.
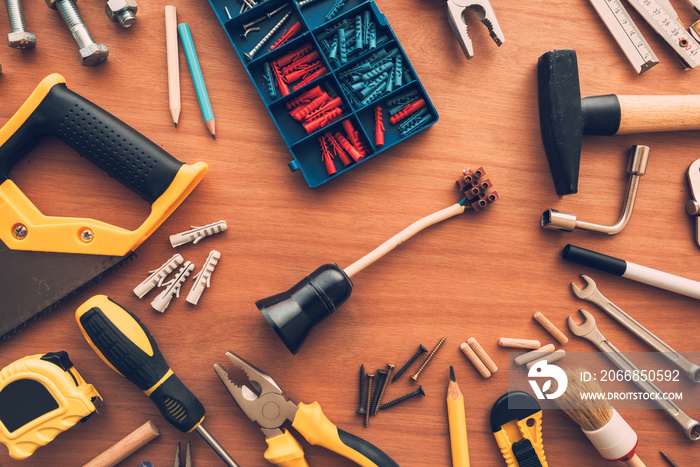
x=127, y=347
x=318, y=430
x=95, y=134
x=112, y=145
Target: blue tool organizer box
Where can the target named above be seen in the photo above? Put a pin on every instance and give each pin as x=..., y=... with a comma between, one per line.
x=317, y=33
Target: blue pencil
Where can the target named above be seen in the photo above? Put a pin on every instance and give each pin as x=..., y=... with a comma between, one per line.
x=197, y=78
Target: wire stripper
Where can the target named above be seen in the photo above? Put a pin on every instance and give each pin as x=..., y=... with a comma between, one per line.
x=516, y=422
x=269, y=407
x=42, y=396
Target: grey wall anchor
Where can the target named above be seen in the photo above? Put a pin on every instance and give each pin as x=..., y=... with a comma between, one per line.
x=557, y=220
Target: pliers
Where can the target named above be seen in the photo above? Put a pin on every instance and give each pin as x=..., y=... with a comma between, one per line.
x=483, y=10
x=269, y=407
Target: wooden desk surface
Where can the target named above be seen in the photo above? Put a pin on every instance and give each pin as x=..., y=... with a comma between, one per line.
x=479, y=275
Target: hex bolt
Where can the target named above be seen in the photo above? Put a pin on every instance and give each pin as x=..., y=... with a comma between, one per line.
x=122, y=11
x=386, y=382
x=90, y=53
x=381, y=379
x=402, y=370
x=430, y=357
x=19, y=38
x=370, y=377
x=362, y=409
x=417, y=392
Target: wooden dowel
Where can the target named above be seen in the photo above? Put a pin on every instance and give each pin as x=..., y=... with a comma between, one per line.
x=519, y=343
x=481, y=353
x=551, y=328
x=549, y=358
x=478, y=364
x=127, y=446
x=535, y=354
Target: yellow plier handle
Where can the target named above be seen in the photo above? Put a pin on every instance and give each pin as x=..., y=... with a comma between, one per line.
x=313, y=425
x=285, y=450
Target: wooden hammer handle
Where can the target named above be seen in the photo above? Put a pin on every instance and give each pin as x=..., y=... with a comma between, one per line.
x=648, y=114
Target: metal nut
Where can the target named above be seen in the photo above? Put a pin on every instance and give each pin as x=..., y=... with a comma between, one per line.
x=21, y=40
x=122, y=11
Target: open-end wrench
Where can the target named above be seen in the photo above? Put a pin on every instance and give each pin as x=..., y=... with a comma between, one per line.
x=589, y=331
x=591, y=293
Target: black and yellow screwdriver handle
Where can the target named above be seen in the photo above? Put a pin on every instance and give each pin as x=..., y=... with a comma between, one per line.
x=127, y=347
x=112, y=145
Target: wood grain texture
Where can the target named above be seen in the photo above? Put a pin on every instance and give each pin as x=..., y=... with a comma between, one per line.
x=478, y=275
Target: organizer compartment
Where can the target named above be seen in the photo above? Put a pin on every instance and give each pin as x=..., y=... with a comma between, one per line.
x=292, y=129
x=245, y=35
x=308, y=156
x=352, y=97
x=408, y=95
x=318, y=12
x=357, y=32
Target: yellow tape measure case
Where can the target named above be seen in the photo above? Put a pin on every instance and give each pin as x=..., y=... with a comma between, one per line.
x=42, y=396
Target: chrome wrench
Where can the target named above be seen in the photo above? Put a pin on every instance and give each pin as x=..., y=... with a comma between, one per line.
x=591, y=293
x=589, y=331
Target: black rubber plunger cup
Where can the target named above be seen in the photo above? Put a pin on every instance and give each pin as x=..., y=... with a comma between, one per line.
x=293, y=313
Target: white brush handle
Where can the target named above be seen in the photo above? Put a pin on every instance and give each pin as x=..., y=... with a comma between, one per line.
x=635, y=462
x=615, y=440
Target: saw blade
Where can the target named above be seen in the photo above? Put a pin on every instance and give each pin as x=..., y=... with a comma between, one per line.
x=32, y=281
x=626, y=34
x=663, y=18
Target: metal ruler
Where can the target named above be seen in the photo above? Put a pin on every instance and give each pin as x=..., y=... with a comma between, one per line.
x=626, y=34
x=662, y=17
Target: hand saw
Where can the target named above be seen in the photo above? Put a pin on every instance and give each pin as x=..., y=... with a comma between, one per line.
x=662, y=17
x=45, y=258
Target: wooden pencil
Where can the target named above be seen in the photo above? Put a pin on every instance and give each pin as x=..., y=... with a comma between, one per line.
x=458, y=423
x=173, y=62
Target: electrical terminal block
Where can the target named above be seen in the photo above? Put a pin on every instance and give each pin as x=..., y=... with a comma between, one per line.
x=196, y=234
x=477, y=190
x=203, y=279
x=158, y=275
x=172, y=288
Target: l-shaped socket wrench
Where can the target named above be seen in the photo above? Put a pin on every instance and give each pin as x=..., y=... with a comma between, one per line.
x=589, y=331
x=567, y=222
x=591, y=293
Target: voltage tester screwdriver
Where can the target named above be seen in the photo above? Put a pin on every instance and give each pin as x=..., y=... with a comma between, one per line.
x=125, y=344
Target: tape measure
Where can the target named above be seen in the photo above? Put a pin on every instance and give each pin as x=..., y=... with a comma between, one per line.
x=42, y=396
x=626, y=34
x=662, y=17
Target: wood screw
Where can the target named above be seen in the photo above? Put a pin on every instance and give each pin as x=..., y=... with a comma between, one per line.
x=417, y=392
x=402, y=370
x=370, y=377
x=430, y=357
x=386, y=382
x=362, y=409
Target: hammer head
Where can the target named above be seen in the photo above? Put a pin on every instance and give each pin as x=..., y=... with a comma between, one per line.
x=561, y=119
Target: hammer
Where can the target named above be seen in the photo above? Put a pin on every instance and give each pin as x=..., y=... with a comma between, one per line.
x=565, y=117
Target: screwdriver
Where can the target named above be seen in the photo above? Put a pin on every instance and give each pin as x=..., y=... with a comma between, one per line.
x=125, y=344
